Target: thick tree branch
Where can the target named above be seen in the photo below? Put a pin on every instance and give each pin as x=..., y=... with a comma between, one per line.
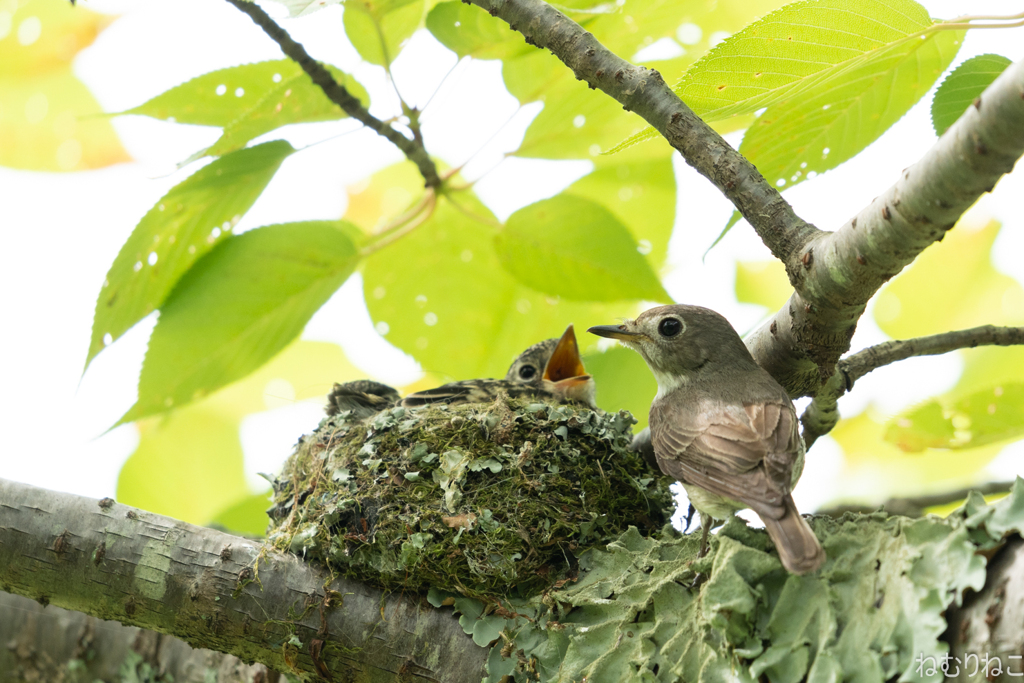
x=822, y=414
x=644, y=92
x=337, y=93
x=221, y=592
x=915, y=506
x=801, y=344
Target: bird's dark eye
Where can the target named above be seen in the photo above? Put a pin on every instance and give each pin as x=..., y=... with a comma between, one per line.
x=527, y=372
x=670, y=327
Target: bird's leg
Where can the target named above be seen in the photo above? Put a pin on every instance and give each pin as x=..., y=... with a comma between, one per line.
x=689, y=517
x=705, y=527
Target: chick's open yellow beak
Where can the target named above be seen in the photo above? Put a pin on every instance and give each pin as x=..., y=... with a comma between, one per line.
x=565, y=362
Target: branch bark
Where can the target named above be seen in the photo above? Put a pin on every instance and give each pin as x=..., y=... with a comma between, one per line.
x=915, y=506
x=823, y=412
x=218, y=591
x=645, y=92
x=801, y=344
x=337, y=93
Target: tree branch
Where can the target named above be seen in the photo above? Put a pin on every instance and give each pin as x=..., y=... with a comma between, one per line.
x=644, y=92
x=801, y=344
x=914, y=506
x=218, y=591
x=337, y=93
x=823, y=414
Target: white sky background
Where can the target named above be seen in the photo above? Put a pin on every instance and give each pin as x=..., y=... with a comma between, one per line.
x=61, y=232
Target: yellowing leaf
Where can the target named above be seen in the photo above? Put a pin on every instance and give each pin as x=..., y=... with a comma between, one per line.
x=45, y=122
x=984, y=417
x=237, y=307
x=762, y=282
x=876, y=470
x=952, y=285
x=186, y=223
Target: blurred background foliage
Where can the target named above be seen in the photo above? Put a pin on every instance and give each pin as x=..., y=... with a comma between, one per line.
x=462, y=292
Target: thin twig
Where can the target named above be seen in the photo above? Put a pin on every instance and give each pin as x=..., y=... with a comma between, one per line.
x=822, y=414
x=338, y=94
x=915, y=506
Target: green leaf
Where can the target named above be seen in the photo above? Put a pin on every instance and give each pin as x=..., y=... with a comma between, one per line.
x=416, y=290
x=187, y=466
x=962, y=86
x=990, y=416
x=186, y=223
x=247, y=516
x=377, y=30
x=801, y=50
x=249, y=100
x=47, y=115
x=641, y=192
x=572, y=247
x=624, y=382
x=764, y=283
x=810, y=133
x=468, y=32
x=579, y=123
x=239, y=306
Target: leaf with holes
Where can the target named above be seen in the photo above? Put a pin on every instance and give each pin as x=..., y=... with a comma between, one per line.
x=803, y=50
x=962, y=86
x=378, y=30
x=802, y=136
x=185, y=224
x=575, y=248
x=984, y=417
x=237, y=307
x=468, y=32
x=416, y=291
x=248, y=101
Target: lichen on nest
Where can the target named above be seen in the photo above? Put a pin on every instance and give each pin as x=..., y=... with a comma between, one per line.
x=482, y=500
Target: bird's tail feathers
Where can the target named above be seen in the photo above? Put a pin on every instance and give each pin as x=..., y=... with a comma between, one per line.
x=798, y=547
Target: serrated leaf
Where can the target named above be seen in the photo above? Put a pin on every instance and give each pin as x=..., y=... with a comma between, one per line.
x=237, y=307
x=575, y=248
x=47, y=115
x=962, y=86
x=377, y=30
x=468, y=32
x=579, y=123
x=815, y=131
x=990, y=416
x=186, y=223
x=249, y=100
x=764, y=283
x=951, y=285
x=802, y=49
x=416, y=290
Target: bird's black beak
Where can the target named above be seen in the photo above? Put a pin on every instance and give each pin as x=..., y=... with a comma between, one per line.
x=620, y=332
x=565, y=362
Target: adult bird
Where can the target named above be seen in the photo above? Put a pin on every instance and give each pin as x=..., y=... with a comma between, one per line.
x=721, y=425
x=549, y=370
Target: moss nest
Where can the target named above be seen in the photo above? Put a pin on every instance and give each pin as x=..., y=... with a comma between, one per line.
x=482, y=500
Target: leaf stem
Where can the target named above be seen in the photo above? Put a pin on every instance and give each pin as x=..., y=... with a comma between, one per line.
x=338, y=94
x=403, y=224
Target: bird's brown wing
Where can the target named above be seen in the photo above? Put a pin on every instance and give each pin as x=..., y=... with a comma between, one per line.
x=741, y=452
x=474, y=391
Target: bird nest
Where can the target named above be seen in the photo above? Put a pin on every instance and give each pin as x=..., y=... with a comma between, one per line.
x=477, y=499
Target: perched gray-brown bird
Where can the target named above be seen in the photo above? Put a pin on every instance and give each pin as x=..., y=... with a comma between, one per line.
x=551, y=369
x=721, y=425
